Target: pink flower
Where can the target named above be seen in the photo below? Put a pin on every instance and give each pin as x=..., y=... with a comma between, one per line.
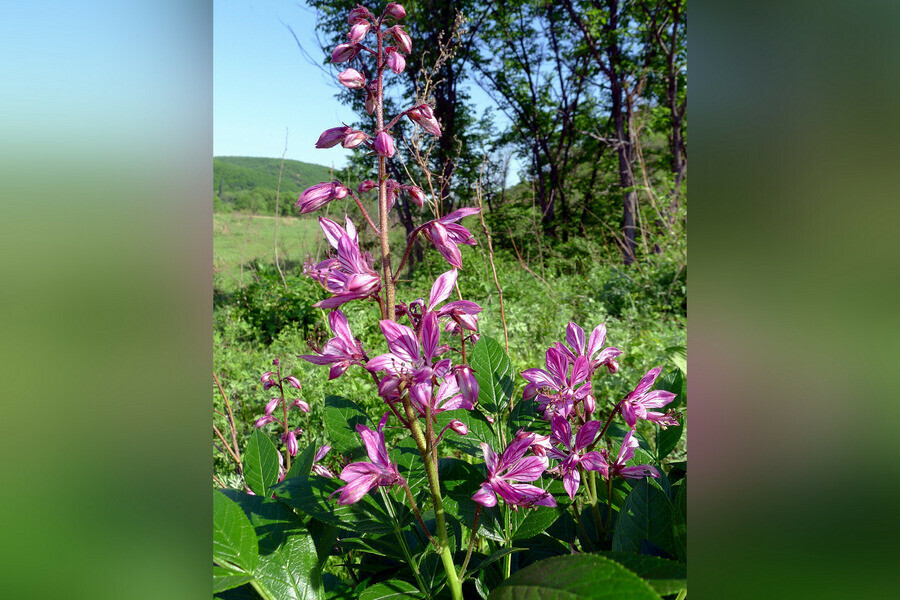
x=626, y=453
x=344, y=52
x=268, y=380
x=506, y=473
x=363, y=476
x=290, y=440
x=423, y=116
x=352, y=79
x=395, y=60
x=415, y=193
x=367, y=185
x=446, y=234
x=557, y=389
x=319, y=195
x=384, y=144
x=572, y=457
x=594, y=350
x=349, y=275
x=635, y=404
x=341, y=351
x=448, y=397
x=321, y=470
x=394, y=10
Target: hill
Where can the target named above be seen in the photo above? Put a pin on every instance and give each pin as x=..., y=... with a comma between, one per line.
x=249, y=183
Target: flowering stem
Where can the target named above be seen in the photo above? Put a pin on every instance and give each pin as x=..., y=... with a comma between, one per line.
x=409, y=244
x=388, y=310
x=462, y=571
x=365, y=214
x=437, y=502
x=287, y=454
x=415, y=509
x=400, y=539
x=605, y=427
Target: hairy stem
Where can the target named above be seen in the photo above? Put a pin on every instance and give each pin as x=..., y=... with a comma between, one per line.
x=437, y=501
x=462, y=571
x=388, y=310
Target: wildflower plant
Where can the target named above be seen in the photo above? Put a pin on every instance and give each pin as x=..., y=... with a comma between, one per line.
x=476, y=478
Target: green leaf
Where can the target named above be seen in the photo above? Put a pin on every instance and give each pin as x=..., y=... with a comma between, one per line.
x=524, y=413
x=495, y=557
x=459, y=482
x=574, y=577
x=528, y=522
x=268, y=517
x=234, y=539
x=678, y=356
x=665, y=576
x=494, y=373
x=341, y=418
x=667, y=439
x=226, y=579
x=680, y=529
x=260, y=462
x=480, y=430
x=303, y=462
x=646, y=516
x=405, y=454
x=310, y=494
x=289, y=569
x=387, y=590
x=674, y=382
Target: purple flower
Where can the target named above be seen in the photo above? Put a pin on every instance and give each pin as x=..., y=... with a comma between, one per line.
x=349, y=275
x=367, y=185
x=635, y=404
x=384, y=144
x=363, y=476
x=464, y=310
x=395, y=60
x=572, y=455
x=557, y=390
x=332, y=137
x=321, y=470
x=394, y=10
x=594, y=350
x=341, y=351
x=423, y=116
x=406, y=357
x=265, y=420
x=352, y=79
x=448, y=397
x=302, y=405
x=268, y=380
x=506, y=473
x=468, y=385
x=446, y=234
x=344, y=52
x=319, y=195
x=415, y=193
x=358, y=31
x=626, y=453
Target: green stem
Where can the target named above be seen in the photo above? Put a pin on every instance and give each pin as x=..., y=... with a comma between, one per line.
x=592, y=492
x=402, y=541
x=587, y=540
x=507, y=560
x=436, y=500
x=265, y=595
x=682, y=594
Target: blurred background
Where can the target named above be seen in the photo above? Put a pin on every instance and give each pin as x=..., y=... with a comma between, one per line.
x=106, y=172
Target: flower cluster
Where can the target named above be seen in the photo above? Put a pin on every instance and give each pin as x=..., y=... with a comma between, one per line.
x=564, y=396
x=271, y=380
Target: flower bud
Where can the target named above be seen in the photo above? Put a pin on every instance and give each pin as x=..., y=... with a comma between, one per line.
x=394, y=10
x=344, y=52
x=423, y=116
x=290, y=440
x=332, y=137
x=260, y=422
x=367, y=185
x=468, y=385
x=352, y=79
x=272, y=405
x=354, y=139
x=459, y=427
x=303, y=406
x=267, y=380
x=613, y=366
x=370, y=104
x=293, y=381
x=319, y=195
x=384, y=144
x=416, y=194
x=589, y=404
x=404, y=42
x=359, y=13
x=395, y=60
x=358, y=31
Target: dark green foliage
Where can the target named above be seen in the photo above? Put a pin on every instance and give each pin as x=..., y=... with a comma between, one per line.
x=249, y=183
x=269, y=306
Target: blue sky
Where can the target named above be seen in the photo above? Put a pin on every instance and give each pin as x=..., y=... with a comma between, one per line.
x=263, y=84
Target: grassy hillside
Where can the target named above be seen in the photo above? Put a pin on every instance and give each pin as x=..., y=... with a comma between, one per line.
x=248, y=183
